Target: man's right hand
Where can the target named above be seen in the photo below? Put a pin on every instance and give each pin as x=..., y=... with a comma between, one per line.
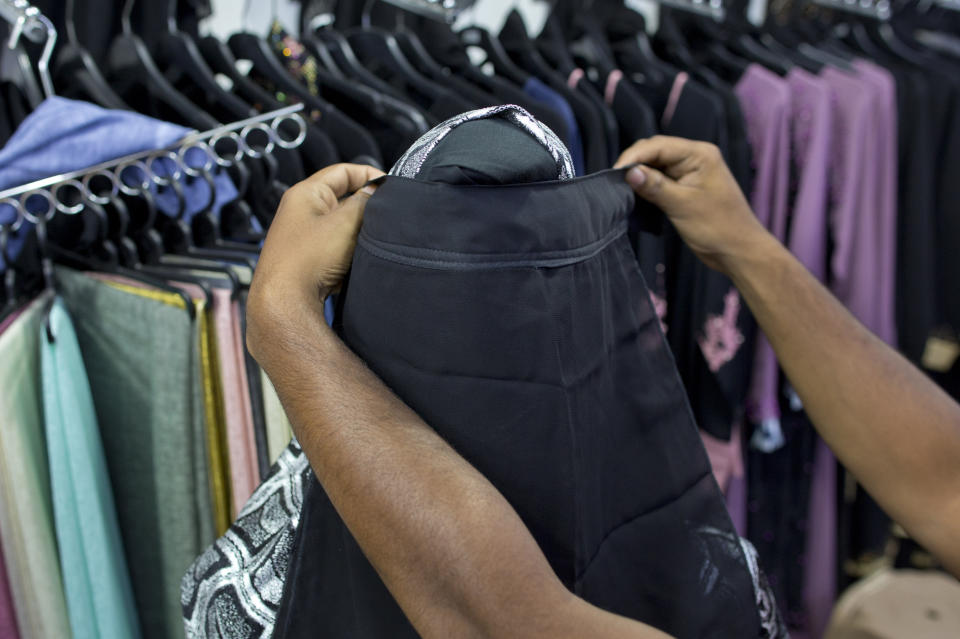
x=692, y=184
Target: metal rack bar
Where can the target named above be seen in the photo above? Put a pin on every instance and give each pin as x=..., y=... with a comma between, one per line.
x=186, y=141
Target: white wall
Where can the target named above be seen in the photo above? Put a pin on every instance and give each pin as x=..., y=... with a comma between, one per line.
x=228, y=15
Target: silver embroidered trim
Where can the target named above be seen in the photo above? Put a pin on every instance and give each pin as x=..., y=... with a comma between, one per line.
x=233, y=590
x=411, y=162
x=771, y=624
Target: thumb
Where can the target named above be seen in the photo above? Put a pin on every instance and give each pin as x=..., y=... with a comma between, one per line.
x=653, y=186
x=351, y=208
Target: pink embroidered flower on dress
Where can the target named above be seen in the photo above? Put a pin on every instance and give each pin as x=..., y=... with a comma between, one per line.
x=660, y=308
x=722, y=339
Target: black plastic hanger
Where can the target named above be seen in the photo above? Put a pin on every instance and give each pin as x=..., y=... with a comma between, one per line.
x=236, y=215
x=17, y=70
x=552, y=44
x=102, y=255
x=221, y=60
x=248, y=46
x=337, y=46
x=625, y=32
x=178, y=53
x=479, y=37
x=376, y=46
x=324, y=56
x=132, y=69
x=884, y=34
x=178, y=233
x=345, y=133
x=184, y=258
x=749, y=48
x=76, y=71
x=417, y=53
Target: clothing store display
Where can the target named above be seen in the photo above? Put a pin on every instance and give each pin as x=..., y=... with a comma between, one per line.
x=26, y=512
x=710, y=331
x=64, y=135
x=131, y=341
x=209, y=412
x=565, y=252
x=507, y=285
x=95, y=577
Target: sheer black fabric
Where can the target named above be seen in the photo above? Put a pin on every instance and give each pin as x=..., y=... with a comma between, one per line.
x=515, y=321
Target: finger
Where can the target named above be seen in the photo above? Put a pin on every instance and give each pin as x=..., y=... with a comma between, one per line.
x=654, y=186
x=342, y=179
x=350, y=210
x=660, y=151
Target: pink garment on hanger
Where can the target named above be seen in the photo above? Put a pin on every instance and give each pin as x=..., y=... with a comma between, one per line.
x=241, y=441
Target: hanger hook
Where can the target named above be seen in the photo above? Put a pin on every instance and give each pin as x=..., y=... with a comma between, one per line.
x=43, y=66
x=125, y=17
x=16, y=31
x=69, y=12
x=172, y=16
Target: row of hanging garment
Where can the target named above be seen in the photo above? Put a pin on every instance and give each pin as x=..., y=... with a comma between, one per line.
x=136, y=425
x=153, y=278
x=842, y=128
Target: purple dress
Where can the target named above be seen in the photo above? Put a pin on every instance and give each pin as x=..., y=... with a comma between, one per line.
x=862, y=219
x=813, y=141
x=765, y=100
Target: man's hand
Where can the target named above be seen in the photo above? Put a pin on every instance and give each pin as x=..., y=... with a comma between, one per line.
x=307, y=251
x=692, y=184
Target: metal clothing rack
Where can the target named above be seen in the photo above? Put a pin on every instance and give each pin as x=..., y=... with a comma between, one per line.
x=879, y=9
x=193, y=155
x=28, y=22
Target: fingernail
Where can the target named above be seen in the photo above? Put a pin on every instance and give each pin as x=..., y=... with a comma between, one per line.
x=369, y=189
x=636, y=177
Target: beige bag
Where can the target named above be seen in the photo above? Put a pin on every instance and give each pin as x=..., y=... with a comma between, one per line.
x=899, y=604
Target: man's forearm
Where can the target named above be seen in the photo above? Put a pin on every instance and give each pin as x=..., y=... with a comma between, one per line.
x=894, y=429
x=452, y=551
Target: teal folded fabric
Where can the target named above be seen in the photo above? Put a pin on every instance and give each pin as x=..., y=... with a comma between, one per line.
x=138, y=351
x=26, y=514
x=95, y=578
